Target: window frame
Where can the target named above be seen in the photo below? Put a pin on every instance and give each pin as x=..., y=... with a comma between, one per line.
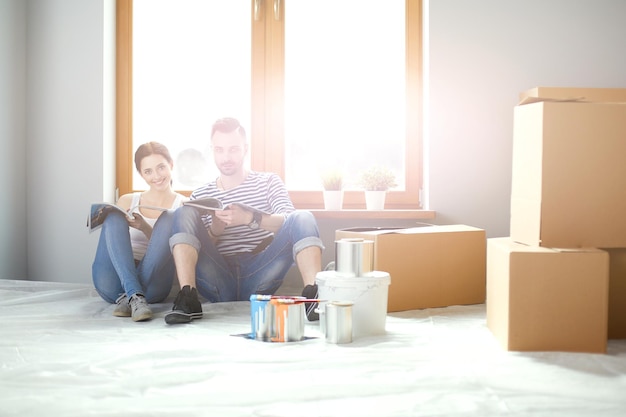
x=267, y=135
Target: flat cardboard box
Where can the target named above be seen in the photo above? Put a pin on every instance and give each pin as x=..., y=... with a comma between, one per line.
x=569, y=175
x=429, y=266
x=611, y=95
x=617, y=293
x=542, y=299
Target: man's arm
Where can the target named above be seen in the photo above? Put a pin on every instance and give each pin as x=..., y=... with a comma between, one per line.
x=237, y=215
x=270, y=222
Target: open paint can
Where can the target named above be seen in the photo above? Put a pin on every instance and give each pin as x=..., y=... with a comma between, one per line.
x=288, y=319
x=354, y=257
x=338, y=318
x=262, y=317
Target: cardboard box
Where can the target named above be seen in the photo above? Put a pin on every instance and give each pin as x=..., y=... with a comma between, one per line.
x=430, y=266
x=541, y=299
x=569, y=175
x=612, y=95
x=617, y=293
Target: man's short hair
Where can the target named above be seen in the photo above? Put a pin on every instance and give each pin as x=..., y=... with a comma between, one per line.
x=227, y=125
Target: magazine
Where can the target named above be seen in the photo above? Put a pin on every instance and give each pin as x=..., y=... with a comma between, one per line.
x=99, y=212
x=211, y=204
x=206, y=203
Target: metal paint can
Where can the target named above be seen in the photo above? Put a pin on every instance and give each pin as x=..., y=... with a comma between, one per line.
x=354, y=257
x=322, y=314
x=262, y=317
x=338, y=321
x=288, y=319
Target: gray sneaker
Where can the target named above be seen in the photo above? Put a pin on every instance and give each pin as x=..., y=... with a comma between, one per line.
x=123, y=307
x=140, y=309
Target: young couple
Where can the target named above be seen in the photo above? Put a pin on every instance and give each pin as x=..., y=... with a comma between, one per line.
x=227, y=256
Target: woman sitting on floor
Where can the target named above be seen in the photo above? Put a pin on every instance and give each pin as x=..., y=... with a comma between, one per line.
x=133, y=264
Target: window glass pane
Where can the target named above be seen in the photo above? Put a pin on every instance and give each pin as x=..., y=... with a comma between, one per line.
x=191, y=66
x=344, y=89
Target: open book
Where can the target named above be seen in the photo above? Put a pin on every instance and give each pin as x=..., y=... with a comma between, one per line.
x=99, y=211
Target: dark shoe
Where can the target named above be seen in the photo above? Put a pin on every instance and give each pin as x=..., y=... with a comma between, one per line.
x=310, y=291
x=187, y=307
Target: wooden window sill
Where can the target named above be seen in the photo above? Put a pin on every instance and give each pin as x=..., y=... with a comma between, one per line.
x=373, y=214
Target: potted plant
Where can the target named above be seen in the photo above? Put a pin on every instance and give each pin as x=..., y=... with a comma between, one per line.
x=376, y=181
x=332, y=181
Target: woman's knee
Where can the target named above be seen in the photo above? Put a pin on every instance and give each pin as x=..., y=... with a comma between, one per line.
x=166, y=218
x=115, y=219
x=109, y=288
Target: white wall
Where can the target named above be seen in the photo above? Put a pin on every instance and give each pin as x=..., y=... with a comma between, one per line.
x=13, y=259
x=481, y=54
x=70, y=131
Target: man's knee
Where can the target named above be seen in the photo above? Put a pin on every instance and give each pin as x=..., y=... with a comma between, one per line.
x=185, y=239
x=185, y=212
x=303, y=217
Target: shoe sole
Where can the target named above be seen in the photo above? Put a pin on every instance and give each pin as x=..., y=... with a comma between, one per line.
x=117, y=314
x=179, y=317
x=142, y=317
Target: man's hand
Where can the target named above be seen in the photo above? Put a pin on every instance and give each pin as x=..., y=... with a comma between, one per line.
x=234, y=215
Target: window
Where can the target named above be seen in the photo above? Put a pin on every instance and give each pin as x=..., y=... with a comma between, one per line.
x=319, y=85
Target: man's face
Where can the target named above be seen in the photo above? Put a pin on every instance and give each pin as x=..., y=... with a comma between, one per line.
x=229, y=152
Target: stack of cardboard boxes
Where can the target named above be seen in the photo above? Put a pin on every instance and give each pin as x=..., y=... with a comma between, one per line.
x=559, y=281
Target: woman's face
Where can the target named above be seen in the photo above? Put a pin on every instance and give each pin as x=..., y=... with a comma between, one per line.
x=156, y=172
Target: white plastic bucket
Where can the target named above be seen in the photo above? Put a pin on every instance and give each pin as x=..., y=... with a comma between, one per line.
x=369, y=295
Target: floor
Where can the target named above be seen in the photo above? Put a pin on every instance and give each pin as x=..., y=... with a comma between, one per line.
x=62, y=353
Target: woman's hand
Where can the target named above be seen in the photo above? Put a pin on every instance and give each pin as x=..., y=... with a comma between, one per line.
x=141, y=224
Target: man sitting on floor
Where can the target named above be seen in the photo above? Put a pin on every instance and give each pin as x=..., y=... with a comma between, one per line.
x=247, y=248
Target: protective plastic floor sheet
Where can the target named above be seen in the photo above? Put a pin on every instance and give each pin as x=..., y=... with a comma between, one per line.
x=62, y=353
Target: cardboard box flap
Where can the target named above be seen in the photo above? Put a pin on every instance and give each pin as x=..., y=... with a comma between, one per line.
x=530, y=100
x=438, y=229
x=511, y=246
x=584, y=95
x=425, y=228
x=374, y=231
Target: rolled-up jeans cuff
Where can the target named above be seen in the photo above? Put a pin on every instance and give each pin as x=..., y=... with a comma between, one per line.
x=307, y=242
x=186, y=238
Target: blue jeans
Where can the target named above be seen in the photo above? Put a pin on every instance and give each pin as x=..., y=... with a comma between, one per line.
x=236, y=277
x=115, y=271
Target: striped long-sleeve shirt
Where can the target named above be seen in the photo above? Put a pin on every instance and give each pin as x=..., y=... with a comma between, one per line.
x=262, y=190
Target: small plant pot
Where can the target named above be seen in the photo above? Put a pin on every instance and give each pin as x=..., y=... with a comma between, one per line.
x=375, y=200
x=333, y=200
